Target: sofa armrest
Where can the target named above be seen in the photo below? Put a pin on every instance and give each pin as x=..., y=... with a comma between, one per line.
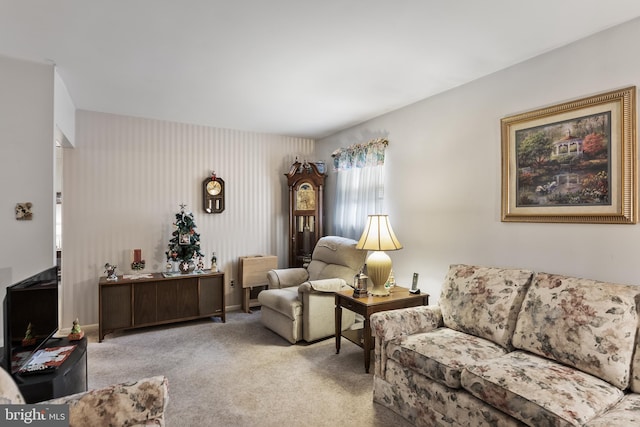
x=286, y=277
x=396, y=325
x=141, y=402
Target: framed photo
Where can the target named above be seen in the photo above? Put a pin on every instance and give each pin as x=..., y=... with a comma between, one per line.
x=23, y=211
x=573, y=162
x=184, y=239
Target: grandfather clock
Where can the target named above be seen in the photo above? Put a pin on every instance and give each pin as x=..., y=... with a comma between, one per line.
x=306, y=191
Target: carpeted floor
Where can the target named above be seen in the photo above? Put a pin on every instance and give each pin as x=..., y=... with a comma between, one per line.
x=239, y=373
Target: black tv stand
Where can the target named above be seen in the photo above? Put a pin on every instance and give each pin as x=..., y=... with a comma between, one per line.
x=69, y=378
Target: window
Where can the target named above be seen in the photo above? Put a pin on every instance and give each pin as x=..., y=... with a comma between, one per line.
x=360, y=186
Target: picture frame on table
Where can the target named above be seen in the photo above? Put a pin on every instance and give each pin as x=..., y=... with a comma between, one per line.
x=573, y=162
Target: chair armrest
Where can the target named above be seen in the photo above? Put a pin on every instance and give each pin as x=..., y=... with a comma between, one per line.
x=132, y=403
x=319, y=308
x=323, y=285
x=286, y=277
x=396, y=325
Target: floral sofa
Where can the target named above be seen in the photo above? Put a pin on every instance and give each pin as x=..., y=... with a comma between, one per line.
x=136, y=403
x=508, y=347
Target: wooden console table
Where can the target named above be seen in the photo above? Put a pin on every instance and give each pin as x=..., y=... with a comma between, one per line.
x=366, y=306
x=136, y=303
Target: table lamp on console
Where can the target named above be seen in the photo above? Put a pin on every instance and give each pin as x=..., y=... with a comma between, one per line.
x=378, y=237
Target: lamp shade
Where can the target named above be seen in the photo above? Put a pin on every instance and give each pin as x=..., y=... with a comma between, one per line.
x=378, y=235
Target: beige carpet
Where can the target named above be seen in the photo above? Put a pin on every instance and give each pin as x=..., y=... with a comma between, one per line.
x=239, y=373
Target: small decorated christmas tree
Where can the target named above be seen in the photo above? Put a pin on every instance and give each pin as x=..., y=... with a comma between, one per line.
x=185, y=242
x=76, y=332
x=28, y=339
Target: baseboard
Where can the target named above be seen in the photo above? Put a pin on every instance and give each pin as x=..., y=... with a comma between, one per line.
x=86, y=328
x=63, y=332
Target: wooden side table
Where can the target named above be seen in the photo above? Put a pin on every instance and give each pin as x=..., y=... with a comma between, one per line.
x=366, y=306
x=252, y=272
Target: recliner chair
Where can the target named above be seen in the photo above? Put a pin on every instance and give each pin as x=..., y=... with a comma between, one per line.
x=300, y=302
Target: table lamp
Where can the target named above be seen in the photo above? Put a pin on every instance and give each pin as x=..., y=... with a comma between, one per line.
x=378, y=236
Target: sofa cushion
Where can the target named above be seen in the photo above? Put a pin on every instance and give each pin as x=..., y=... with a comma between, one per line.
x=140, y=402
x=335, y=256
x=625, y=413
x=428, y=403
x=586, y=324
x=9, y=391
x=484, y=301
x=538, y=391
x=320, y=270
x=442, y=354
x=284, y=301
x=339, y=250
x=634, y=383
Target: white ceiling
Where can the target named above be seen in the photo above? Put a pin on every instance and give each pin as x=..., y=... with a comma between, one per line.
x=291, y=67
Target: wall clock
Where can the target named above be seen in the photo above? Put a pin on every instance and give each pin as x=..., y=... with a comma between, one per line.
x=213, y=194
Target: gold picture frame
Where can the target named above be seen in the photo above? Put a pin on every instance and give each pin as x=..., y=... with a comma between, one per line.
x=573, y=162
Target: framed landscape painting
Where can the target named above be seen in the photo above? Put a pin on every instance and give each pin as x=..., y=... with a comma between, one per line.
x=572, y=162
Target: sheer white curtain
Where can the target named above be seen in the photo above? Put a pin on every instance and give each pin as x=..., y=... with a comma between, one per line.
x=360, y=186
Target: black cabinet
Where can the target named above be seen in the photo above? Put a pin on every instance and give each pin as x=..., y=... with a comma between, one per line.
x=69, y=378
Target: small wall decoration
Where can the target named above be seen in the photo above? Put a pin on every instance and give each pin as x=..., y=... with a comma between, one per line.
x=23, y=211
x=213, y=194
x=573, y=162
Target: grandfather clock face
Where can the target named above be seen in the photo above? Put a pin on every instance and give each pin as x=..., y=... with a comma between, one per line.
x=305, y=197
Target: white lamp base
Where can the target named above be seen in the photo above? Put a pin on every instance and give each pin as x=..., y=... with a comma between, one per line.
x=378, y=269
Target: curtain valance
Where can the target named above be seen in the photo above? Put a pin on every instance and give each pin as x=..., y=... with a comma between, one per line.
x=360, y=155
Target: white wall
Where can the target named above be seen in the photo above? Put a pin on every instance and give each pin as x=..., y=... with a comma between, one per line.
x=26, y=168
x=64, y=113
x=126, y=177
x=443, y=164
